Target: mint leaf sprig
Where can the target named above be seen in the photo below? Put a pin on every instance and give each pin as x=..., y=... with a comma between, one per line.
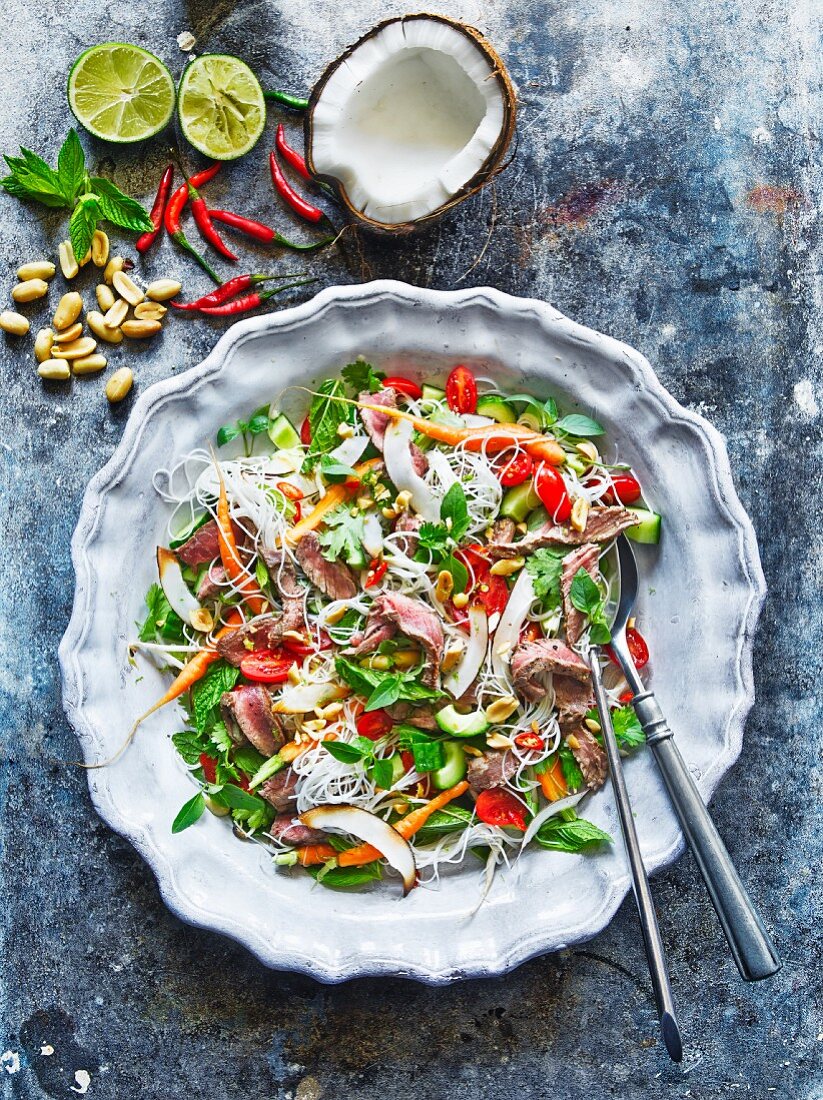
x=90, y=199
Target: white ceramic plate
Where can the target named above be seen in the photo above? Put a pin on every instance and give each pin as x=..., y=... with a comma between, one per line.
x=701, y=594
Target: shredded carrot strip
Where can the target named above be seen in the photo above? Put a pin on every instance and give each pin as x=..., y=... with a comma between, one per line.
x=335, y=495
x=252, y=595
x=553, y=782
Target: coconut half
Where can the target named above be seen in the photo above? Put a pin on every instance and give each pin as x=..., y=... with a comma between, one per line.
x=412, y=119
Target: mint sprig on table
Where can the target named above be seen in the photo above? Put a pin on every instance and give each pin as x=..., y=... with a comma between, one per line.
x=91, y=199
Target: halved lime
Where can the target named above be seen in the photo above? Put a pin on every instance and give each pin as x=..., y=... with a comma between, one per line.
x=221, y=106
x=121, y=92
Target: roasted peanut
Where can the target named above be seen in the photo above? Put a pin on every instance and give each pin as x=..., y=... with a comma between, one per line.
x=379, y=661
x=55, y=370
x=97, y=323
x=451, y=656
x=30, y=290
x=163, y=289
x=15, y=324
x=36, y=269
x=100, y=248
x=115, y=316
x=139, y=330
x=502, y=708
x=592, y=725
x=499, y=741
x=460, y=600
x=580, y=514
x=86, y=258
x=43, y=344
x=335, y=616
x=68, y=310
x=445, y=585
x=67, y=335
x=150, y=311
x=202, y=619
x=345, y=430
x=105, y=296
x=507, y=566
x=115, y=264
x=89, y=364
x=403, y=500
x=127, y=288
x=119, y=385
x=406, y=658
x=68, y=264
x=77, y=349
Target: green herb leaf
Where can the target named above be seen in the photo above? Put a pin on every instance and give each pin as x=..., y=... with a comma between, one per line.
x=570, y=768
x=190, y=745
x=434, y=537
x=558, y=835
x=118, y=208
x=161, y=625
x=344, y=752
x=550, y=412
x=546, y=566
x=206, y=693
x=259, y=421
x=627, y=729
x=362, y=376
x=451, y=819
x=460, y=574
x=398, y=687
x=326, y=414
x=189, y=813
x=381, y=772
x=343, y=535
x=341, y=878
x=333, y=470
x=585, y=596
x=385, y=694
x=227, y=433
x=577, y=424
x=261, y=573
x=238, y=799
x=248, y=759
x=220, y=737
x=82, y=225
x=71, y=166
x=32, y=178
x=428, y=755
x=453, y=508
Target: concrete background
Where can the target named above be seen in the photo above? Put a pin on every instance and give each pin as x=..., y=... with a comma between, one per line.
x=665, y=189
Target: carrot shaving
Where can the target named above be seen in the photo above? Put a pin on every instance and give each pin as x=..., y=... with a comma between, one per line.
x=553, y=782
x=336, y=495
x=229, y=556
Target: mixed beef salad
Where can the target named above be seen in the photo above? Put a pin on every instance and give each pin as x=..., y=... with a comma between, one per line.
x=379, y=625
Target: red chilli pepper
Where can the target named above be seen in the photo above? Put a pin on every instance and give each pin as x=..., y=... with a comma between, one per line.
x=250, y=301
x=202, y=219
x=227, y=290
x=171, y=218
x=302, y=207
x=258, y=231
x=531, y=741
x=290, y=156
x=305, y=432
x=146, y=240
x=377, y=570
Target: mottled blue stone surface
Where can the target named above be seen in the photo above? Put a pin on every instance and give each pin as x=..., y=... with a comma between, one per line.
x=665, y=189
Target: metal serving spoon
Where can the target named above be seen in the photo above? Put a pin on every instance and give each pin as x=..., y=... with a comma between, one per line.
x=748, y=939
x=640, y=881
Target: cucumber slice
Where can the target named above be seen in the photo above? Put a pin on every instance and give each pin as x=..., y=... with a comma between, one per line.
x=432, y=393
x=453, y=770
x=496, y=408
x=283, y=434
x=519, y=501
x=398, y=768
x=537, y=519
x=578, y=463
x=647, y=528
x=461, y=725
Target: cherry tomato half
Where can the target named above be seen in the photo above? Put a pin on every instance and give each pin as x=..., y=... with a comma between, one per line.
x=461, y=391
x=625, y=488
x=374, y=724
x=531, y=741
x=490, y=591
x=311, y=645
x=209, y=766
x=403, y=385
x=531, y=633
x=377, y=570
x=305, y=432
x=267, y=666
x=498, y=807
x=637, y=648
x=517, y=470
x=626, y=697
x=551, y=488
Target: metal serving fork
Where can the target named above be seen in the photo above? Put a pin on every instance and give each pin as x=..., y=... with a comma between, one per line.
x=749, y=941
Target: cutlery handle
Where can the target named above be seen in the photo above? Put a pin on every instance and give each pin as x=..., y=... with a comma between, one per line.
x=750, y=943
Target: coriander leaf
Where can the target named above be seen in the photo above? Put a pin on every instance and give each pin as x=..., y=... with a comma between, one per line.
x=546, y=566
x=326, y=414
x=627, y=729
x=385, y=694
x=558, y=835
x=190, y=745
x=570, y=768
x=362, y=376
x=344, y=752
x=433, y=536
x=334, y=470
x=577, y=424
x=120, y=209
x=584, y=593
x=189, y=813
x=453, y=507
x=343, y=536
x=220, y=737
x=161, y=623
x=451, y=819
x=71, y=166
x=82, y=225
x=340, y=878
x=206, y=693
x=380, y=773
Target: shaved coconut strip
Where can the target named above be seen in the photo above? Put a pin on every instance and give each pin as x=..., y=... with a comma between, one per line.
x=466, y=671
x=372, y=535
x=400, y=468
x=372, y=830
x=301, y=698
x=550, y=811
x=175, y=589
x=507, y=635
x=350, y=450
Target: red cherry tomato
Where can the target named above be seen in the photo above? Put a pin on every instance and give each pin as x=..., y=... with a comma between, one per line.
x=490, y=591
x=625, y=488
x=305, y=649
x=517, y=470
x=626, y=697
x=637, y=648
x=209, y=766
x=551, y=488
x=267, y=666
x=403, y=385
x=374, y=724
x=305, y=432
x=461, y=391
x=531, y=741
x=532, y=632
x=498, y=807
x=377, y=570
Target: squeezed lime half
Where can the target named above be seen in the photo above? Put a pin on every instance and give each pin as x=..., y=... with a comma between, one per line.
x=221, y=106
x=121, y=93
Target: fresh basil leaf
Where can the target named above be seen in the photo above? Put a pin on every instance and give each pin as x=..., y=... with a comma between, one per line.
x=207, y=692
x=261, y=573
x=428, y=755
x=460, y=574
x=326, y=414
x=120, y=209
x=550, y=412
x=570, y=768
x=577, y=424
x=364, y=681
x=451, y=819
x=385, y=694
x=381, y=773
x=190, y=745
x=248, y=759
x=259, y=422
x=584, y=593
x=189, y=813
x=546, y=567
x=82, y=225
x=226, y=434
x=600, y=633
x=454, y=512
x=362, y=376
x=238, y=799
x=558, y=835
x=332, y=470
x=71, y=166
x=344, y=752
x=341, y=878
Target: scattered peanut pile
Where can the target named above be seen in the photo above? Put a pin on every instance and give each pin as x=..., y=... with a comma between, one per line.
x=125, y=310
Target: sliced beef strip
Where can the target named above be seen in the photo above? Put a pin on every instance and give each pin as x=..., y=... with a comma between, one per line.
x=408, y=526
x=603, y=525
x=492, y=769
x=203, y=546
x=589, y=755
x=531, y=661
x=376, y=423
x=247, y=712
x=391, y=612
x=334, y=578
x=503, y=530
x=213, y=580
x=414, y=714
x=280, y=790
x=291, y=831
x=573, y=699
x=282, y=573
x=584, y=557
x=265, y=632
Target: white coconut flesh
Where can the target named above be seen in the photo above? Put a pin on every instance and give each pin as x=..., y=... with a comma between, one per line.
x=407, y=119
